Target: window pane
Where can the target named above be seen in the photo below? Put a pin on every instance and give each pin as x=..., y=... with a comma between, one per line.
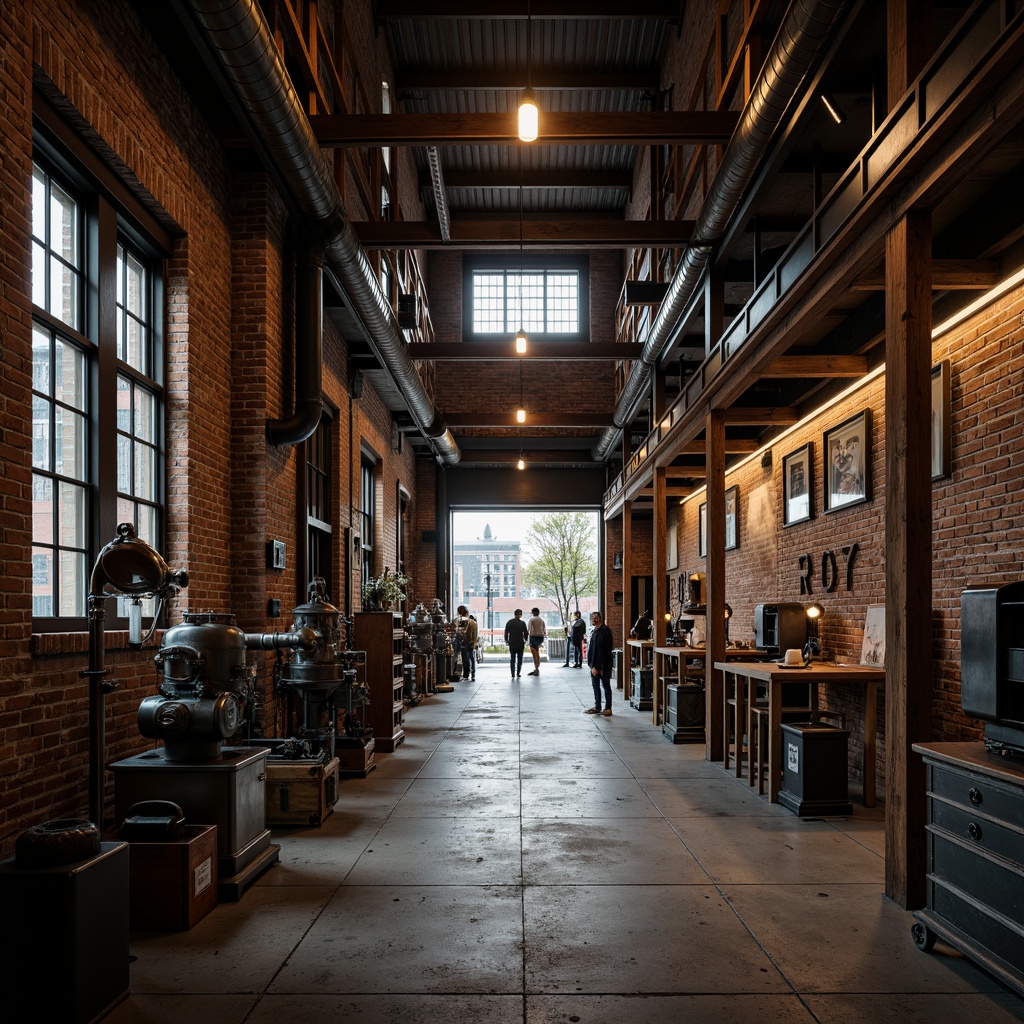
x=69, y=453
x=145, y=416
x=146, y=524
x=124, y=405
x=71, y=515
x=63, y=292
x=72, y=583
x=42, y=509
x=40, y=359
x=63, y=224
x=38, y=275
x=126, y=511
x=145, y=472
x=42, y=581
x=40, y=433
x=69, y=375
x=38, y=203
x=124, y=464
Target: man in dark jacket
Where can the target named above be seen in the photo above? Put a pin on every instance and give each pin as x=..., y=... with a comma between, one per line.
x=579, y=631
x=599, y=658
x=516, y=632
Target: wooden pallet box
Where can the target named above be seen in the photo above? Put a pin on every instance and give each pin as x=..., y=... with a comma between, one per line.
x=300, y=793
x=173, y=883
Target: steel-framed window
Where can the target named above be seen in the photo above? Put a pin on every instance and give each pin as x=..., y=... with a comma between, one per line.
x=97, y=397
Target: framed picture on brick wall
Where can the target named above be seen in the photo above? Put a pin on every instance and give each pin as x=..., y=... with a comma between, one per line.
x=798, y=485
x=847, y=457
x=702, y=530
x=942, y=460
x=732, y=518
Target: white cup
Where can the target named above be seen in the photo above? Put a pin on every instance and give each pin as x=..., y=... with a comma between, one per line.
x=794, y=657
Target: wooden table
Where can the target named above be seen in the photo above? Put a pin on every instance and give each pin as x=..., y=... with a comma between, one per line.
x=773, y=676
x=682, y=655
x=641, y=650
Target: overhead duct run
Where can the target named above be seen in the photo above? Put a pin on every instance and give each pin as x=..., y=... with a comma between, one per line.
x=244, y=48
x=805, y=32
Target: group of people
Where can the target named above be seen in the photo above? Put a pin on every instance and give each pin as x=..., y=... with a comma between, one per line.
x=599, y=651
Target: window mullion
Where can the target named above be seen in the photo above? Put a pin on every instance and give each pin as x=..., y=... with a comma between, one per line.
x=103, y=276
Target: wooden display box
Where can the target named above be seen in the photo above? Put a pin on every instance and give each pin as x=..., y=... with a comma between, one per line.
x=173, y=884
x=300, y=793
x=355, y=757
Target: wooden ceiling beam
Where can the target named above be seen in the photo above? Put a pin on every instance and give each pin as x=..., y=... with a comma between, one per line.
x=947, y=275
x=596, y=233
x=774, y=415
x=815, y=366
x=572, y=351
x=733, y=446
x=564, y=128
x=569, y=456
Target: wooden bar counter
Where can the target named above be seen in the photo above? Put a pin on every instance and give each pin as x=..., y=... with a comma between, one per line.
x=773, y=675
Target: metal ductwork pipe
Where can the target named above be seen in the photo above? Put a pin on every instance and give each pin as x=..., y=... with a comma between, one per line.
x=243, y=45
x=309, y=353
x=807, y=28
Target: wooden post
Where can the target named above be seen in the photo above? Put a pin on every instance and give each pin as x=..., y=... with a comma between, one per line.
x=660, y=599
x=715, y=571
x=908, y=552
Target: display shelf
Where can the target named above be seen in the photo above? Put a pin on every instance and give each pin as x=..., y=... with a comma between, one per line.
x=381, y=636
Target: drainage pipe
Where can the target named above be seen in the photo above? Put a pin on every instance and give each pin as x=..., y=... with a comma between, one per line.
x=808, y=27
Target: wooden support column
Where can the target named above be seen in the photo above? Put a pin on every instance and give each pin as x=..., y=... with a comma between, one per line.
x=715, y=570
x=627, y=575
x=660, y=557
x=908, y=552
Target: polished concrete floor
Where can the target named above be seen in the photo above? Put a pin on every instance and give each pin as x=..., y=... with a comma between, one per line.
x=516, y=860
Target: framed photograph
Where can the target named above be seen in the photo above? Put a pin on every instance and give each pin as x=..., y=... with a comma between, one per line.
x=798, y=485
x=872, y=648
x=732, y=518
x=672, y=539
x=942, y=461
x=702, y=530
x=847, y=456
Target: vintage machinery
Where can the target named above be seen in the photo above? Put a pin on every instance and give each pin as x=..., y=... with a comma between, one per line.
x=780, y=627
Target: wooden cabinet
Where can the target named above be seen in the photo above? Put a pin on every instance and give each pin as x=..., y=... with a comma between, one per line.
x=381, y=636
x=975, y=895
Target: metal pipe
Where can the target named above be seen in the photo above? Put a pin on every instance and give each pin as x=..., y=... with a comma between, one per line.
x=243, y=45
x=807, y=28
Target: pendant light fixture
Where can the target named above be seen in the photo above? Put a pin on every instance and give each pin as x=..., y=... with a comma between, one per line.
x=529, y=120
x=521, y=336
x=521, y=411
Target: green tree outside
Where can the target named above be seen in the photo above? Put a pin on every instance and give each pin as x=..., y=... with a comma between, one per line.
x=563, y=563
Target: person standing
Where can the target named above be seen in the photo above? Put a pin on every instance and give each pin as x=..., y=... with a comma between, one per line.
x=516, y=632
x=538, y=630
x=579, y=631
x=469, y=642
x=599, y=658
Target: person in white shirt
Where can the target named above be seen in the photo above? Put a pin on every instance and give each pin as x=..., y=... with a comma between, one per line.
x=538, y=631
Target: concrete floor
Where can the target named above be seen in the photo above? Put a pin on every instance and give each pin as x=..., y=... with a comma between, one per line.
x=516, y=860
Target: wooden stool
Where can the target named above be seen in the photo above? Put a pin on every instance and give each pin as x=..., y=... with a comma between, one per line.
x=757, y=757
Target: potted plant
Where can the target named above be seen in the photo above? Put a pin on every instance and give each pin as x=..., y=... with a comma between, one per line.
x=387, y=589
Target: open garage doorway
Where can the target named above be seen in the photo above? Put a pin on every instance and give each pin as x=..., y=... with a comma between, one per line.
x=543, y=558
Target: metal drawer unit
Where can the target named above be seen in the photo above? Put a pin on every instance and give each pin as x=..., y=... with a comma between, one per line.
x=975, y=894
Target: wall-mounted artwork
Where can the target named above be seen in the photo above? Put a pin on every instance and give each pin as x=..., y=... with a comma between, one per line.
x=732, y=523
x=942, y=460
x=672, y=538
x=872, y=648
x=732, y=518
x=798, y=485
x=847, y=456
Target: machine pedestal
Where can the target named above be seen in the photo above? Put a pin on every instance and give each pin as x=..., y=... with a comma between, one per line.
x=228, y=792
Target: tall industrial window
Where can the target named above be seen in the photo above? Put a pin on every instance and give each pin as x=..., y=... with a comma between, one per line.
x=97, y=399
x=544, y=297
x=368, y=518
x=319, y=531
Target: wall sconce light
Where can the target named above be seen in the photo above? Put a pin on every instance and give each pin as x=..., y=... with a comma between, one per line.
x=835, y=111
x=814, y=612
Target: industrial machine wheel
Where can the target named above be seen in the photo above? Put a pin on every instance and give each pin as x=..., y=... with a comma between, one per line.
x=61, y=841
x=924, y=937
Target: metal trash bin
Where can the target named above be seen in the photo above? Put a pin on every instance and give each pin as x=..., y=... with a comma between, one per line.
x=814, y=775
x=556, y=648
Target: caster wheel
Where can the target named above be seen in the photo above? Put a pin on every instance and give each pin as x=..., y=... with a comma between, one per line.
x=924, y=937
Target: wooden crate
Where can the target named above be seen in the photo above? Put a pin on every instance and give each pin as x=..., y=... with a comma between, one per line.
x=300, y=793
x=173, y=883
